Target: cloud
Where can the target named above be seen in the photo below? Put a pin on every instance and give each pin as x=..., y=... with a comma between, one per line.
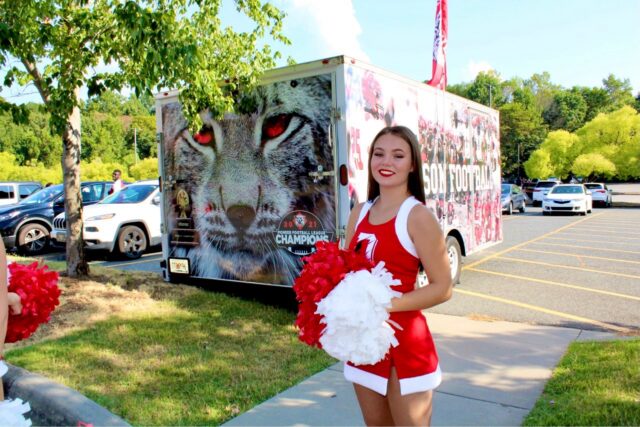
x=331, y=24
x=474, y=68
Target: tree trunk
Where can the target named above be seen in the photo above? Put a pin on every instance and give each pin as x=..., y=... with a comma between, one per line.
x=76, y=262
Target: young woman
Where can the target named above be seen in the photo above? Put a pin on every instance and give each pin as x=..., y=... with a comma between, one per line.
x=394, y=226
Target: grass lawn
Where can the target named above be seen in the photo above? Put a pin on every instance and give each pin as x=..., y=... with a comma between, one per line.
x=595, y=384
x=163, y=354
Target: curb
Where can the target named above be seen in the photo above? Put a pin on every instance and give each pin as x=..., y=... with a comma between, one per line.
x=54, y=404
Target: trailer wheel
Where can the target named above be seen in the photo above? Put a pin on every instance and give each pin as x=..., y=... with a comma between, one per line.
x=455, y=258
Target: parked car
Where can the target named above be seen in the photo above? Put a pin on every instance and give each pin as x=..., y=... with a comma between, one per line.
x=568, y=198
x=27, y=225
x=13, y=192
x=541, y=189
x=600, y=193
x=127, y=222
x=512, y=197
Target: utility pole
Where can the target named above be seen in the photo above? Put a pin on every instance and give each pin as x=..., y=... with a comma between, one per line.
x=135, y=145
x=490, y=106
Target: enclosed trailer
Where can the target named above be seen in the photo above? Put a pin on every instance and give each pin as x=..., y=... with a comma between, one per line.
x=248, y=195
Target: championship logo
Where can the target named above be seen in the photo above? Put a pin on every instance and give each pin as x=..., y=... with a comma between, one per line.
x=299, y=231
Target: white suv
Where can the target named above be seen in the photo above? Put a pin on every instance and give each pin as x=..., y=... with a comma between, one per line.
x=127, y=222
x=541, y=189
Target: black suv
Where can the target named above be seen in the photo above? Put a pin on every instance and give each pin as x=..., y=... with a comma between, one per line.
x=26, y=225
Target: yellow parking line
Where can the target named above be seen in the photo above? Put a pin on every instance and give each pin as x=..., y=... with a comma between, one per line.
x=580, y=256
x=588, y=241
x=585, y=247
x=574, y=233
x=613, y=230
x=569, y=267
x=548, y=311
x=563, y=285
x=480, y=261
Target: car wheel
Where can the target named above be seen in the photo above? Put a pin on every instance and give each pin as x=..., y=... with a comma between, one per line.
x=510, y=209
x=33, y=239
x=523, y=208
x=608, y=203
x=455, y=258
x=132, y=242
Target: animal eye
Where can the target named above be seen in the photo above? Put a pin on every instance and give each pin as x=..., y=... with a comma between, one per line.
x=204, y=136
x=275, y=126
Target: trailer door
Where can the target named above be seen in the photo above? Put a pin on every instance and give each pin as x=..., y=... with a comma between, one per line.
x=248, y=195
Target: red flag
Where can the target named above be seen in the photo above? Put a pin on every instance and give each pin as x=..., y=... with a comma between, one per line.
x=439, y=62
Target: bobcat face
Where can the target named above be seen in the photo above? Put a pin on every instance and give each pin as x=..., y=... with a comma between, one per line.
x=247, y=171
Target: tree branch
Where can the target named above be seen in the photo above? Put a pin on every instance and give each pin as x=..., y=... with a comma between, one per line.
x=37, y=79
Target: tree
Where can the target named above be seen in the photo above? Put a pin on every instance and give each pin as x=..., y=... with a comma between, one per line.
x=58, y=44
x=521, y=132
x=539, y=165
x=542, y=88
x=592, y=166
x=620, y=92
x=486, y=89
x=561, y=146
x=567, y=111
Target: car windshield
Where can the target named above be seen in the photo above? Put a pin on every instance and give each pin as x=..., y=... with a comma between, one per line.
x=592, y=186
x=506, y=189
x=569, y=189
x=131, y=194
x=546, y=184
x=43, y=196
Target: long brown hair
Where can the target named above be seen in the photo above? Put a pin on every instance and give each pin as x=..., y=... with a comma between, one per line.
x=416, y=181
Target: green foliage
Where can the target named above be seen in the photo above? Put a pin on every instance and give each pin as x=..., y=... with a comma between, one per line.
x=619, y=91
x=145, y=169
x=567, y=111
x=96, y=170
x=486, y=89
x=521, y=132
x=593, y=166
x=539, y=165
x=141, y=133
x=11, y=171
x=561, y=147
x=103, y=138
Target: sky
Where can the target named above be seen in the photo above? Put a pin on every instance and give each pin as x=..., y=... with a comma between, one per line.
x=579, y=42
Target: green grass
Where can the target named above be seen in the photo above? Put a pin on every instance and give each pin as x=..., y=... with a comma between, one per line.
x=195, y=359
x=595, y=384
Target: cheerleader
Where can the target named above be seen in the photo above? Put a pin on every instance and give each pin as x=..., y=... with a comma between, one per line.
x=11, y=410
x=394, y=226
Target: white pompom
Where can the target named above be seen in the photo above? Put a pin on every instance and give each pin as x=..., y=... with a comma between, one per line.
x=12, y=413
x=356, y=317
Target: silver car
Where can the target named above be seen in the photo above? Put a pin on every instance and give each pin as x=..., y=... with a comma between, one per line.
x=512, y=197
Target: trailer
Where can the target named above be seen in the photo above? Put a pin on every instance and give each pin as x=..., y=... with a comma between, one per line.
x=247, y=196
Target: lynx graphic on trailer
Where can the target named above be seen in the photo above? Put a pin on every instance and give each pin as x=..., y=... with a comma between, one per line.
x=248, y=195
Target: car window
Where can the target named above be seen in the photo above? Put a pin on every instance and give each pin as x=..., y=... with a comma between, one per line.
x=45, y=195
x=546, y=184
x=92, y=193
x=592, y=186
x=506, y=188
x=573, y=189
x=130, y=194
x=27, y=189
x=6, y=192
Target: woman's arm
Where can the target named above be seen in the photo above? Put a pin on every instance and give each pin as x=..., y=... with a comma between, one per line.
x=4, y=305
x=427, y=237
x=351, y=225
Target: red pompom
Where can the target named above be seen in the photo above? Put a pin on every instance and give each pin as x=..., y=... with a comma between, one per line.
x=322, y=272
x=39, y=292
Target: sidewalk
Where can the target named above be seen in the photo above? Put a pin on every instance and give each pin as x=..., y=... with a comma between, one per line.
x=493, y=374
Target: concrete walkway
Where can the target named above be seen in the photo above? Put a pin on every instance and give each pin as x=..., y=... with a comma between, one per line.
x=493, y=374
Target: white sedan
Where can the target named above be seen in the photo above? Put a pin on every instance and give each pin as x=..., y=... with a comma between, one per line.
x=127, y=222
x=569, y=198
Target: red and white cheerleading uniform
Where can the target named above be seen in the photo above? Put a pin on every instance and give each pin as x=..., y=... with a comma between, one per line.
x=415, y=357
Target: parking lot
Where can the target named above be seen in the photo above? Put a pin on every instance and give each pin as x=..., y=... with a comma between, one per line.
x=571, y=271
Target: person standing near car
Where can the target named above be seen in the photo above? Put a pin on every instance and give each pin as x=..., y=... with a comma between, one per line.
x=117, y=182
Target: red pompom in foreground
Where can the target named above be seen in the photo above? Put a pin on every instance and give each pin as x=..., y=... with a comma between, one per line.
x=39, y=292
x=322, y=272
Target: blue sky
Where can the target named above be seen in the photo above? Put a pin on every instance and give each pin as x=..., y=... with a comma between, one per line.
x=579, y=42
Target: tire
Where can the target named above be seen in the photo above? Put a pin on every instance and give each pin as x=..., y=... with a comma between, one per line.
x=455, y=258
x=523, y=208
x=33, y=239
x=608, y=203
x=545, y=213
x=510, y=209
x=132, y=242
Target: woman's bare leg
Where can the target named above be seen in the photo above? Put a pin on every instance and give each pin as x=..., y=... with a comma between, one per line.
x=410, y=410
x=374, y=407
